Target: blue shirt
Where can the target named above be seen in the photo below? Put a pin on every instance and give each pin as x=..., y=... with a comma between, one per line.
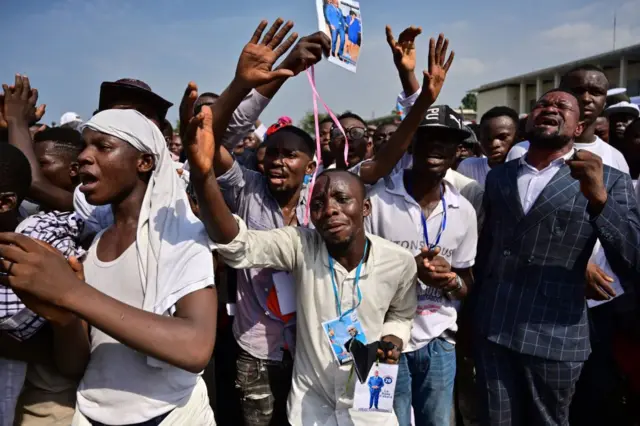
x=333, y=15
x=354, y=29
x=376, y=381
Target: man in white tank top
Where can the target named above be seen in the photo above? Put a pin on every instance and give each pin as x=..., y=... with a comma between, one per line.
x=148, y=295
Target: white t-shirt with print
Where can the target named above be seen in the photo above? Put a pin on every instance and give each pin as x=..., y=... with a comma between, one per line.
x=476, y=168
x=397, y=217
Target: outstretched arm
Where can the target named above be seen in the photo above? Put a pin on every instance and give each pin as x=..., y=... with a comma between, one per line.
x=391, y=153
x=184, y=340
x=239, y=247
x=255, y=60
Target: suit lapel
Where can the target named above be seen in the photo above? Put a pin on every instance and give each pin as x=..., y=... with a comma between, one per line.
x=560, y=189
x=509, y=189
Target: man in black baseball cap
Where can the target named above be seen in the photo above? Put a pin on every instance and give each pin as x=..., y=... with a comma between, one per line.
x=436, y=142
x=128, y=93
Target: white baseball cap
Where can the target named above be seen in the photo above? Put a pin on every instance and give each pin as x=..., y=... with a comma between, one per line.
x=623, y=107
x=616, y=91
x=69, y=117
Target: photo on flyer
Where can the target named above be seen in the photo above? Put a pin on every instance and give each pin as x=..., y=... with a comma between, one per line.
x=340, y=331
x=376, y=393
x=342, y=22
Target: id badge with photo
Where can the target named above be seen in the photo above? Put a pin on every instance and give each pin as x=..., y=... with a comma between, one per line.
x=376, y=393
x=339, y=332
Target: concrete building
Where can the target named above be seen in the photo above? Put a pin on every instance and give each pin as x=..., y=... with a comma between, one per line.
x=622, y=67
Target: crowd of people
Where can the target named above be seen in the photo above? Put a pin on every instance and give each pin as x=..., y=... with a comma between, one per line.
x=195, y=276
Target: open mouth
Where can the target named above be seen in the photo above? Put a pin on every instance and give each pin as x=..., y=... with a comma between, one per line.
x=88, y=180
x=435, y=159
x=547, y=121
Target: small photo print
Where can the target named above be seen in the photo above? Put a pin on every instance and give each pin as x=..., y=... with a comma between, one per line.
x=339, y=331
x=376, y=393
x=342, y=22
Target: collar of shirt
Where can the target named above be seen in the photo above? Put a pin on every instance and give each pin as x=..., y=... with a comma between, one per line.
x=555, y=163
x=368, y=265
x=451, y=194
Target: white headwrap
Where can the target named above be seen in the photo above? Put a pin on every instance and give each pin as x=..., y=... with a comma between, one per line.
x=172, y=244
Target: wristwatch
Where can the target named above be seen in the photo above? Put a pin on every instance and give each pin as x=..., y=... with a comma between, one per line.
x=460, y=284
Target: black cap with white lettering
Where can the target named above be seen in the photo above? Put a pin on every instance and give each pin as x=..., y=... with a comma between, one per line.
x=445, y=119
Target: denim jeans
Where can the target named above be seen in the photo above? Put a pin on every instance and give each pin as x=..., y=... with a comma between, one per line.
x=334, y=39
x=425, y=381
x=264, y=388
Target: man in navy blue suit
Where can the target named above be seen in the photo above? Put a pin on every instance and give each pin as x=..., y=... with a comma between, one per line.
x=335, y=19
x=543, y=214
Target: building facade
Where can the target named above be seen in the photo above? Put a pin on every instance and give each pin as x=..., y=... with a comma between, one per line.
x=621, y=66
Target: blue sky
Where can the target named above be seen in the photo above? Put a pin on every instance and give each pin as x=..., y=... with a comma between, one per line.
x=68, y=47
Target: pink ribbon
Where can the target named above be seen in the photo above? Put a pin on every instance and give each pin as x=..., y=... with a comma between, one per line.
x=316, y=96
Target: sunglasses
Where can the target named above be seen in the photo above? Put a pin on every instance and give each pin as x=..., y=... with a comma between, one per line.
x=353, y=133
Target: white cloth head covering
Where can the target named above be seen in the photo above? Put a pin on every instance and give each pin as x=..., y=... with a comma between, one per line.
x=172, y=244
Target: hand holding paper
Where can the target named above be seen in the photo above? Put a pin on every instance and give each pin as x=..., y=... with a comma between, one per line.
x=307, y=52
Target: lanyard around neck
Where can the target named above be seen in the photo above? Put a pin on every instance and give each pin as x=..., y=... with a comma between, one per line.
x=356, y=282
x=443, y=223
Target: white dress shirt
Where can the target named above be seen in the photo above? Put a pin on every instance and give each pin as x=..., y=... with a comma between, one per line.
x=531, y=181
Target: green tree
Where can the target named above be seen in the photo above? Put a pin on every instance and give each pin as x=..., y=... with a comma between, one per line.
x=176, y=129
x=470, y=101
x=307, y=123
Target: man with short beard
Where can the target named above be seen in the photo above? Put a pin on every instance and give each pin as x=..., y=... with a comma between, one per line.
x=544, y=213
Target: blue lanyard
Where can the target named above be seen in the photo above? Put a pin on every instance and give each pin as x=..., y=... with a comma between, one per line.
x=356, y=281
x=443, y=224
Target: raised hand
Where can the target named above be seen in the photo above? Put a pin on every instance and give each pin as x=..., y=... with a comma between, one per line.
x=20, y=102
x=404, y=49
x=3, y=121
x=187, y=104
x=199, y=143
x=435, y=76
x=258, y=57
x=307, y=52
x=587, y=167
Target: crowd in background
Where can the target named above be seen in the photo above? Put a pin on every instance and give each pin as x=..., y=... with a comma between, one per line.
x=160, y=276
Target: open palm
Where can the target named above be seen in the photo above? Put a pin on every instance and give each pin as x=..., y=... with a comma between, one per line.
x=439, y=66
x=258, y=57
x=404, y=49
x=200, y=142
